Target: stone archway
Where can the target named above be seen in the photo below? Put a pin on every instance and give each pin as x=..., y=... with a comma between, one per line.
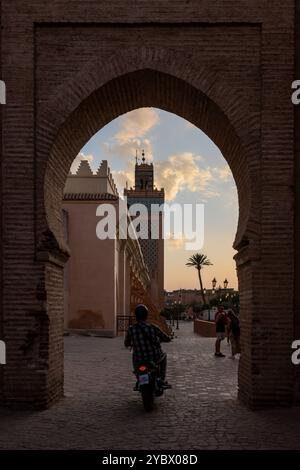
x=206, y=86
x=150, y=87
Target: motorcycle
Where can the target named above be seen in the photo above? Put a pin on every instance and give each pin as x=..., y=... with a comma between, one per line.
x=149, y=383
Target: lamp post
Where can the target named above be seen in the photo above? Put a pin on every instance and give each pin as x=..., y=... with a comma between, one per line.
x=205, y=292
x=225, y=284
x=213, y=283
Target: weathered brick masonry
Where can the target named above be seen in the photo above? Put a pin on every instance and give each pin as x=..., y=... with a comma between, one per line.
x=70, y=68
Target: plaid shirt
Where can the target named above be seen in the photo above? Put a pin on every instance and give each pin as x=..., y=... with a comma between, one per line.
x=145, y=339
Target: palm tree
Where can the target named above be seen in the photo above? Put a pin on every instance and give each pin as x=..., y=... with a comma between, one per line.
x=198, y=261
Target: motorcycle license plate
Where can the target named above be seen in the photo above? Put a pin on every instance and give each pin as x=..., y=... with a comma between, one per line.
x=144, y=379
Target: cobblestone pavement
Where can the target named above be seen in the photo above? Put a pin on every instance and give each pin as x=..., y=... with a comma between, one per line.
x=101, y=411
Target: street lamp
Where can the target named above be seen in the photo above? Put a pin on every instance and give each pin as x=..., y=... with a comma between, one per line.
x=214, y=284
x=225, y=284
x=209, y=300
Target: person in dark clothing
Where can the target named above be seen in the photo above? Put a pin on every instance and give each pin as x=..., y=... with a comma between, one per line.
x=145, y=339
x=221, y=321
x=234, y=333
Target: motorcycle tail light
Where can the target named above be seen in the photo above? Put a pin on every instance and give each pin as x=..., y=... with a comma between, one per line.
x=142, y=368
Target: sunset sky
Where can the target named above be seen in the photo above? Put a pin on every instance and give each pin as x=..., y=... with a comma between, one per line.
x=191, y=169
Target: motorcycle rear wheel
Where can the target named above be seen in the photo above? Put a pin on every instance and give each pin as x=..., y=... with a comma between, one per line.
x=148, y=397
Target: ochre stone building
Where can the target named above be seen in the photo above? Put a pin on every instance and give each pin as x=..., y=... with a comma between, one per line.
x=225, y=66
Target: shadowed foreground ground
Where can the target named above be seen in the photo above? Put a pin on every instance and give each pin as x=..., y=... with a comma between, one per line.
x=100, y=410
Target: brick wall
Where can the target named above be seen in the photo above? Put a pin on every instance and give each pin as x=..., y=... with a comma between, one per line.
x=297, y=203
x=1, y=228
x=205, y=328
x=70, y=68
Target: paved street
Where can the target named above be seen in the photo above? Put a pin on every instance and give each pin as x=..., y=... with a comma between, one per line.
x=101, y=411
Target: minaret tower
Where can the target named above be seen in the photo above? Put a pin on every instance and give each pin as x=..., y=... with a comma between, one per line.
x=144, y=192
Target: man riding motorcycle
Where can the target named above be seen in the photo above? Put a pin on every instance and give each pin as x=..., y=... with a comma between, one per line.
x=145, y=339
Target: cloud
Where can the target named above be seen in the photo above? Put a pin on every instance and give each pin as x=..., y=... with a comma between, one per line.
x=182, y=172
x=132, y=135
x=223, y=173
x=122, y=177
x=77, y=160
x=175, y=243
x=137, y=124
x=231, y=198
x=116, y=150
